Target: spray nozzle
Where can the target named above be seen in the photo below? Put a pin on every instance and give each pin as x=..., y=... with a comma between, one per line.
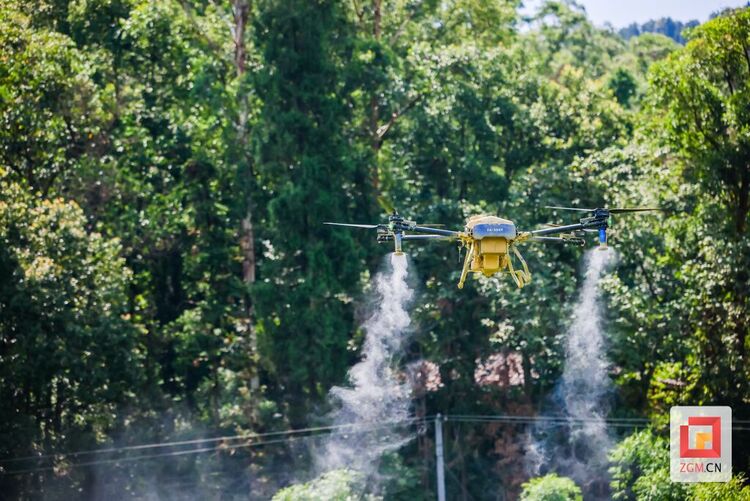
x=602, y=238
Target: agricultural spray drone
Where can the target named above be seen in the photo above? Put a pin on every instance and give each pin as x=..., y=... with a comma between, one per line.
x=491, y=241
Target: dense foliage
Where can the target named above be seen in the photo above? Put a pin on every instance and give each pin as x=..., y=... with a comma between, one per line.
x=551, y=488
x=164, y=171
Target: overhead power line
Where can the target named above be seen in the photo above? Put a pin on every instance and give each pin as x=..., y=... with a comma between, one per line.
x=225, y=438
x=154, y=456
x=310, y=432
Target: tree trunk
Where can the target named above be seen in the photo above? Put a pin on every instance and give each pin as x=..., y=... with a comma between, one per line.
x=375, y=142
x=247, y=235
x=376, y=19
x=743, y=201
x=241, y=13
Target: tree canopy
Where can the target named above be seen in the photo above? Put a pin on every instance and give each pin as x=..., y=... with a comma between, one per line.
x=165, y=168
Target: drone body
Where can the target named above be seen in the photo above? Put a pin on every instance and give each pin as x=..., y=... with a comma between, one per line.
x=491, y=241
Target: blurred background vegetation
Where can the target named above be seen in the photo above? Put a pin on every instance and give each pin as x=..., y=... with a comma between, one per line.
x=164, y=170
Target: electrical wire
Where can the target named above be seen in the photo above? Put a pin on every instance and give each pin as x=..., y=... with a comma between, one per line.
x=154, y=456
x=356, y=428
x=615, y=422
x=196, y=441
x=541, y=418
x=562, y=421
x=497, y=417
x=315, y=432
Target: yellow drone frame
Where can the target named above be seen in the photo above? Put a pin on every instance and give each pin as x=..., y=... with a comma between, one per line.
x=491, y=247
x=491, y=242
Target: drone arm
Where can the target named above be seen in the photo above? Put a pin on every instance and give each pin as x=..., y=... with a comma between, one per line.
x=425, y=237
x=546, y=239
x=565, y=229
x=570, y=240
x=432, y=231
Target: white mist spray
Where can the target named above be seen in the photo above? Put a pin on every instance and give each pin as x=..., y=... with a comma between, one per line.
x=376, y=395
x=579, y=447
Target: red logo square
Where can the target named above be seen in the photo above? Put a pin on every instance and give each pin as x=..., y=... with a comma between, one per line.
x=714, y=451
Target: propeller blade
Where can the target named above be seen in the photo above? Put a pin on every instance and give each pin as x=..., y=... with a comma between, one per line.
x=568, y=208
x=633, y=209
x=431, y=225
x=368, y=226
x=611, y=211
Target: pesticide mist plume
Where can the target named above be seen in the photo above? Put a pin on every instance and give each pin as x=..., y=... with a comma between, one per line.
x=376, y=396
x=579, y=447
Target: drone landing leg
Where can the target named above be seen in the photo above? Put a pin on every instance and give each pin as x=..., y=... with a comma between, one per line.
x=465, y=269
x=516, y=279
x=520, y=277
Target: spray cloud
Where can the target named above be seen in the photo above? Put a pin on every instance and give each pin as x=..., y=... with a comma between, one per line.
x=579, y=447
x=376, y=395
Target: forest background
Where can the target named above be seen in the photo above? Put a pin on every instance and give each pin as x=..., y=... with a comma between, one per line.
x=164, y=274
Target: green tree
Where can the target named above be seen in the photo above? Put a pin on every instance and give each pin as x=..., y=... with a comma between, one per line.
x=700, y=100
x=51, y=113
x=71, y=359
x=337, y=485
x=551, y=488
x=308, y=273
x=700, y=251
x=623, y=86
x=734, y=490
x=640, y=469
